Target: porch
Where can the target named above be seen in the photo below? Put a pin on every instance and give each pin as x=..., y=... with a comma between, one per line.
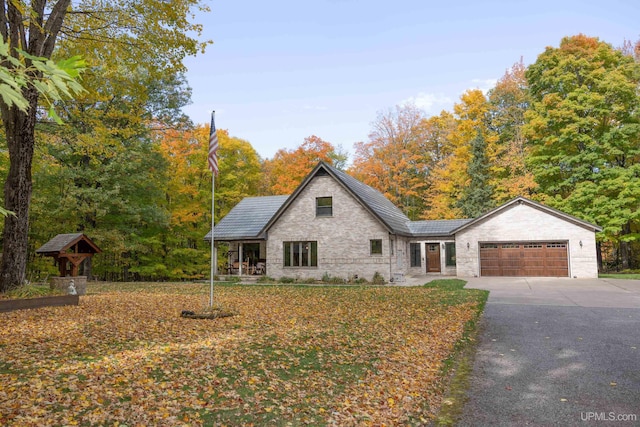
x=252, y=254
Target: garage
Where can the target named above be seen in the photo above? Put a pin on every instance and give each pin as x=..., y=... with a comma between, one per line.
x=533, y=259
x=523, y=238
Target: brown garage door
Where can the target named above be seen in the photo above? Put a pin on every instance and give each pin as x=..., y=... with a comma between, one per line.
x=524, y=259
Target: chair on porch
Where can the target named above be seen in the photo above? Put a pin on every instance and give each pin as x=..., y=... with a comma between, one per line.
x=234, y=268
x=261, y=268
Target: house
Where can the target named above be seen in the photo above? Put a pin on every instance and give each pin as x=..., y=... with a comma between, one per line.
x=334, y=224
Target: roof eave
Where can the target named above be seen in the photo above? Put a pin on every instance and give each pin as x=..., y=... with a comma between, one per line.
x=234, y=238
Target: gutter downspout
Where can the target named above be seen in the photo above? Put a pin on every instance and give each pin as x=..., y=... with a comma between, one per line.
x=391, y=252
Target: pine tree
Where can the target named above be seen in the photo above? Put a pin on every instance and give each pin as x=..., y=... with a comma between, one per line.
x=477, y=197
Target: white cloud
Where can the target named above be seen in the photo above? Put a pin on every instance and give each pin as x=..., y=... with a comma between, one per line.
x=485, y=85
x=429, y=102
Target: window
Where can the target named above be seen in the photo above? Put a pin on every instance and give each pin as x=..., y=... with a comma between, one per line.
x=487, y=246
x=414, y=253
x=300, y=254
x=450, y=254
x=376, y=247
x=532, y=245
x=324, y=206
x=556, y=245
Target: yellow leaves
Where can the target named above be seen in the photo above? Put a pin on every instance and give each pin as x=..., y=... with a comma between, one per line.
x=344, y=356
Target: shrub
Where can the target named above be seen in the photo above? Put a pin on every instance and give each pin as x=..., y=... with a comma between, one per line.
x=327, y=278
x=286, y=280
x=378, y=279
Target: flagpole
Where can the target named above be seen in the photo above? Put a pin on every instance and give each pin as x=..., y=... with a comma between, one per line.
x=213, y=256
x=213, y=167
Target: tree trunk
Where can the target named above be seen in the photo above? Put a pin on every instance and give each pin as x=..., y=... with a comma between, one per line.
x=19, y=128
x=625, y=247
x=25, y=28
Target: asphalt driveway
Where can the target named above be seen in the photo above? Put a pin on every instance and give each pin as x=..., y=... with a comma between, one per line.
x=560, y=352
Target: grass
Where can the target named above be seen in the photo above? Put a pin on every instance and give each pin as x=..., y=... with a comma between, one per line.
x=293, y=355
x=460, y=364
x=31, y=291
x=629, y=276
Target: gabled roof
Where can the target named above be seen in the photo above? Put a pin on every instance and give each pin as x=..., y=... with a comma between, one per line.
x=62, y=242
x=436, y=228
x=535, y=205
x=372, y=200
x=247, y=219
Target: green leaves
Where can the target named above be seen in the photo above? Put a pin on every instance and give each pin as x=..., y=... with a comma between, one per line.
x=12, y=79
x=583, y=127
x=53, y=81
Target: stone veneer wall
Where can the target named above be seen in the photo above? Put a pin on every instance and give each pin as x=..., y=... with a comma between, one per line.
x=444, y=269
x=343, y=238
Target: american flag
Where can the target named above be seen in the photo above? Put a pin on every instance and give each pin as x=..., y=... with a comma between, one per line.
x=213, y=148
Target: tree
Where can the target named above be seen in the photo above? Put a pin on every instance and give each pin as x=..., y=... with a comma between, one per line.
x=395, y=160
x=240, y=173
x=584, y=129
x=509, y=100
x=450, y=176
x=288, y=168
x=144, y=27
x=477, y=197
x=25, y=30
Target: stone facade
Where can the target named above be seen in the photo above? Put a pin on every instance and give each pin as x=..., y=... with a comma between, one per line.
x=523, y=222
x=343, y=239
x=445, y=270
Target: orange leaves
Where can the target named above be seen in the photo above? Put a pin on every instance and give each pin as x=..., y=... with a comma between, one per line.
x=288, y=168
x=346, y=356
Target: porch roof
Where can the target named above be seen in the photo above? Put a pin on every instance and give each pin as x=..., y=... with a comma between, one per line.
x=247, y=219
x=436, y=228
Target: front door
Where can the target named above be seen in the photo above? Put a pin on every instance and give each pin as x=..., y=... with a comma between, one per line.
x=433, y=258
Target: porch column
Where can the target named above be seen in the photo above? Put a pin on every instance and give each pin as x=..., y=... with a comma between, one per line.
x=240, y=258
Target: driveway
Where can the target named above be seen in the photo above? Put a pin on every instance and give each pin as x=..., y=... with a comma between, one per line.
x=562, y=352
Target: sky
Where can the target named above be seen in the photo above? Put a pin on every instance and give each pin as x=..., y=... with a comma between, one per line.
x=279, y=71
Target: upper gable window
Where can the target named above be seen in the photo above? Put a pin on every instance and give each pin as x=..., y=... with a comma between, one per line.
x=324, y=206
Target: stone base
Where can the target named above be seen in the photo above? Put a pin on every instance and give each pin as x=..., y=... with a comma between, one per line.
x=62, y=283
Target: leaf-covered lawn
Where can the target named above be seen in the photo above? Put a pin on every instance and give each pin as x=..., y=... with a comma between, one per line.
x=293, y=356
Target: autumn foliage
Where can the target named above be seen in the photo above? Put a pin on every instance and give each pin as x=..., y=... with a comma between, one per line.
x=286, y=170
x=317, y=355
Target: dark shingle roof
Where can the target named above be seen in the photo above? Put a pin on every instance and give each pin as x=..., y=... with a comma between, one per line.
x=247, y=219
x=436, y=228
x=253, y=215
x=374, y=200
x=63, y=242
